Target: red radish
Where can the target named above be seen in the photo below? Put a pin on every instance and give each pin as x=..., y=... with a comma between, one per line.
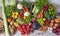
x=27, y=32
x=30, y=24
x=33, y=19
x=19, y=27
x=27, y=29
x=27, y=26
x=21, y=30
x=22, y=33
x=45, y=7
x=23, y=26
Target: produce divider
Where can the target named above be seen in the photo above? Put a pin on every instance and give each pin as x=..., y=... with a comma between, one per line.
x=4, y=18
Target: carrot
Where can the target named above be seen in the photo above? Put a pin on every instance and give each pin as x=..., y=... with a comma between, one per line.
x=26, y=9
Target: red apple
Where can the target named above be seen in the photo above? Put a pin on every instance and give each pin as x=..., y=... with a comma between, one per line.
x=22, y=33
x=27, y=26
x=27, y=32
x=23, y=26
x=27, y=29
x=19, y=27
x=30, y=24
x=33, y=19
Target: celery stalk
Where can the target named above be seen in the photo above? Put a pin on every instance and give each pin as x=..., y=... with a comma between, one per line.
x=4, y=18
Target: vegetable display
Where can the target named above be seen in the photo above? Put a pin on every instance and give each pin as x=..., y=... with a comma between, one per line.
x=26, y=17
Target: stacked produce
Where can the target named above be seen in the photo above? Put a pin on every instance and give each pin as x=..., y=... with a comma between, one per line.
x=26, y=17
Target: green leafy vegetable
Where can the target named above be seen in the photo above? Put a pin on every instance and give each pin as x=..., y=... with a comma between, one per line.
x=40, y=3
x=52, y=10
x=40, y=21
x=47, y=16
x=50, y=13
x=28, y=19
x=25, y=3
x=9, y=10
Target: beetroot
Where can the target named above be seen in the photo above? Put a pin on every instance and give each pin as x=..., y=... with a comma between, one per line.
x=45, y=7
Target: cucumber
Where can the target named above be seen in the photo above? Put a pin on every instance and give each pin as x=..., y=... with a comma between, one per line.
x=20, y=21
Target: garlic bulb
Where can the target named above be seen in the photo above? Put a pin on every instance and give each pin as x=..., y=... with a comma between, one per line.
x=50, y=30
x=19, y=6
x=26, y=13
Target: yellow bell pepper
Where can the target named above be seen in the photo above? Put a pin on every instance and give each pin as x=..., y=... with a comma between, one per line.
x=15, y=16
x=16, y=13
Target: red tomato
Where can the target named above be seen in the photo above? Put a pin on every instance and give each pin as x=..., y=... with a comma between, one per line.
x=19, y=27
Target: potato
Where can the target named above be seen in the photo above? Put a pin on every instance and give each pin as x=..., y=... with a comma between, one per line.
x=12, y=29
x=12, y=22
x=57, y=20
x=15, y=24
x=9, y=20
x=43, y=28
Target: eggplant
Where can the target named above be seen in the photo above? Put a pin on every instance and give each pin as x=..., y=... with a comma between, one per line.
x=35, y=25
